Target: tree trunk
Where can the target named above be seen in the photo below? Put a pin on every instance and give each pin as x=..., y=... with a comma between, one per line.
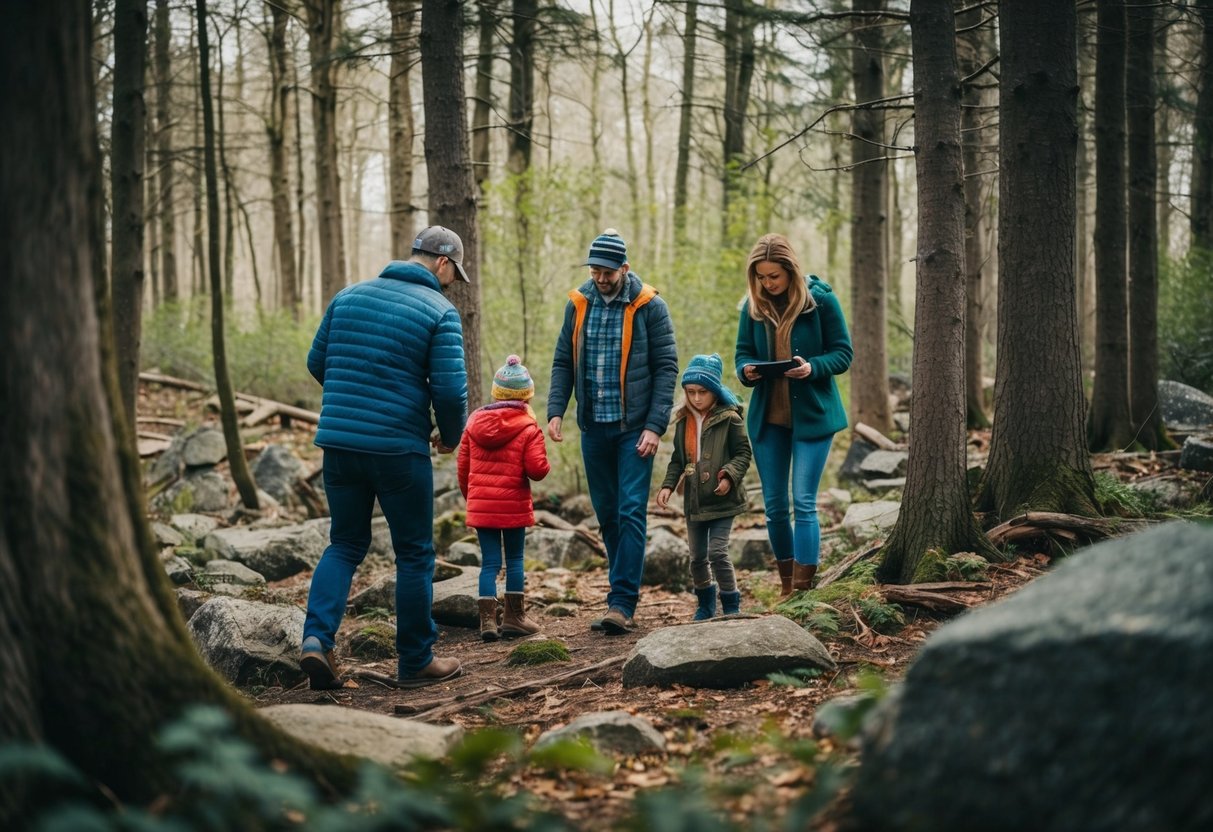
x=306, y=283
x=151, y=198
x=1202, y=138
x=452, y=199
x=1038, y=450
x=739, y=23
x=935, y=513
x=324, y=20
x=280, y=178
x=1110, y=427
x=1083, y=253
x=869, y=273
x=631, y=177
x=223, y=383
x=401, y=128
x=164, y=155
x=1163, y=131
x=126, y=187
x=971, y=47
x=198, y=276
x=519, y=142
x=686, y=102
x=229, y=211
x=109, y=618
x=1143, y=231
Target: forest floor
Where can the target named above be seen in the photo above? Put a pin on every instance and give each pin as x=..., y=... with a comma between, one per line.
x=754, y=735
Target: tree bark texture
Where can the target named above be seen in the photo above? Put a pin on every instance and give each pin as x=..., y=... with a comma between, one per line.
x=127, y=157
x=1143, y=231
x=522, y=85
x=869, y=270
x=401, y=128
x=1163, y=129
x=1038, y=448
x=164, y=155
x=94, y=654
x=1201, y=222
x=936, y=513
x=483, y=107
x=238, y=465
x=1110, y=426
x=972, y=47
x=686, y=102
x=452, y=197
x=324, y=21
x=277, y=129
x=739, y=24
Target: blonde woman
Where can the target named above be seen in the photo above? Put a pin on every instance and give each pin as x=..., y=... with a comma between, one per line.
x=792, y=340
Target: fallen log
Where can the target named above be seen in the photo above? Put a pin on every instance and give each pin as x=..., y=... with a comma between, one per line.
x=932, y=596
x=876, y=437
x=170, y=381
x=836, y=571
x=1070, y=526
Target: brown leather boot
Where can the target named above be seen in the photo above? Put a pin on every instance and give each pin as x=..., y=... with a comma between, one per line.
x=802, y=576
x=516, y=623
x=488, y=618
x=785, y=577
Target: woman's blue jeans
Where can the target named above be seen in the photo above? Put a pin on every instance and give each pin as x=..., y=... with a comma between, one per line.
x=404, y=484
x=776, y=455
x=619, y=479
x=490, y=559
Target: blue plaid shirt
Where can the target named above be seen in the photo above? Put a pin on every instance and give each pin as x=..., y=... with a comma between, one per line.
x=603, y=356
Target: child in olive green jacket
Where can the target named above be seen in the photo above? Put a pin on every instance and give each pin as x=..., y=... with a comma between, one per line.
x=711, y=455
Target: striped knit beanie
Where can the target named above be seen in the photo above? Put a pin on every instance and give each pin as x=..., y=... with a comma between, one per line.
x=608, y=251
x=708, y=372
x=512, y=382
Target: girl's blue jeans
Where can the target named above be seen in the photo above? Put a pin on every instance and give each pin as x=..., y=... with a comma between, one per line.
x=777, y=455
x=491, y=541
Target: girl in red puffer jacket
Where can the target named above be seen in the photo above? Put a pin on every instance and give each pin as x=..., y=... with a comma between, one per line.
x=502, y=450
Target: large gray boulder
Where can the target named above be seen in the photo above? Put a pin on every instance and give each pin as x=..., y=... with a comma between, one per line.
x=276, y=470
x=249, y=642
x=882, y=464
x=871, y=519
x=1197, y=453
x=723, y=653
x=609, y=732
x=203, y=489
x=386, y=740
x=1182, y=406
x=205, y=446
x=667, y=561
x=456, y=591
x=558, y=547
x=1081, y=702
x=276, y=553
x=850, y=470
x=751, y=549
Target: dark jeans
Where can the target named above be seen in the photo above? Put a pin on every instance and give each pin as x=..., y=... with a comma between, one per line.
x=709, y=541
x=619, y=480
x=404, y=484
x=491, y=546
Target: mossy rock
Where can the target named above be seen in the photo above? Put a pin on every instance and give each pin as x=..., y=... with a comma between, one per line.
x=450, y=527
x=538, y=652
x=374, y=642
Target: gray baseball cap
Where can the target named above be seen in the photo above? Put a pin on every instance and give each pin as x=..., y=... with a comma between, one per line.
x=443, y=241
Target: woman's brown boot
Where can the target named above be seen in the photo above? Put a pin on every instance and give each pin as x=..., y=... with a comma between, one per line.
x=488, y=618
x=802, y=576
x=516, y=623
x=785, y=577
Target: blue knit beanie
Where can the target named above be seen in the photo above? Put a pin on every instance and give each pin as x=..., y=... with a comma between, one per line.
x=608, y=251
x=707, y=371
x=513, y=381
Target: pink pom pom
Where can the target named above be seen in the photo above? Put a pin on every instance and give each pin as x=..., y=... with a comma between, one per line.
x=512, y=360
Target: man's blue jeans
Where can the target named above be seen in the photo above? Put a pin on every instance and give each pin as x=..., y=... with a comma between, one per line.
x=775, y=455
x=619, y=480
x=404, y=484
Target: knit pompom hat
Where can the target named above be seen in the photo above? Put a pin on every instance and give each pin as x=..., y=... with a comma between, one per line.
x=512, y=382
x=608, y=251
x=708, y=371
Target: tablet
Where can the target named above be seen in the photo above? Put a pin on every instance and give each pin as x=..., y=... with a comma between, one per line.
x=774, y=369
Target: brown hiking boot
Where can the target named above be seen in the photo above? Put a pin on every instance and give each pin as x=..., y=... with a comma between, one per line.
x=438, y=670
x=617, y=623
x=785, y=577
x=516, y=623
x=488, y=618
x=319, y=664
x=802, y=576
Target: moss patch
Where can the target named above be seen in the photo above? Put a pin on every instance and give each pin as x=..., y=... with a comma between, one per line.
x=538, y=652
x=374, y=642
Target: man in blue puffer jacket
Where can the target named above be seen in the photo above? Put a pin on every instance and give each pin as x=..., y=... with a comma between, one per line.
x=387, y=350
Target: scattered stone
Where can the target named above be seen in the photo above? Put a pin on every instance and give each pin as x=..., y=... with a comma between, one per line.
x=276, y=553
x=449, y=528
x=276, y=470
x=871, y=519
x=449, y=501
x=194, y=526
x=1164, y=491
x=667, y=562
x=884, y=464
x=446, y=474
x=557, y=547
x=454, y=601
x=900, y=388
x=248, y=642
x=180, y=571
x=201, y=490
x=609, y=732
x=231, y=572
x=205, y=446
x=1184, y=407
x=1079, y=702
x=166, y=535
x=1197, y=453
x=389, y=741
x=901, y=420
x=839, y=496
x=723, y=653
x=169, y=465
x=577, y=508
x=751, y=549
x=189, y=600
x=374, y=642
x=856, y=454
x=463, y=553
